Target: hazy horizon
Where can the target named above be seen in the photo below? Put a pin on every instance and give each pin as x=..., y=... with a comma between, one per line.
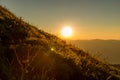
x=104, y=49
x=95, y=39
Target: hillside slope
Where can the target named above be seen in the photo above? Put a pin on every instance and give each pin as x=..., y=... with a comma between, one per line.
x=27, y=53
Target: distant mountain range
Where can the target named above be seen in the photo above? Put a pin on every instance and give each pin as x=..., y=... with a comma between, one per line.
x=108, y=50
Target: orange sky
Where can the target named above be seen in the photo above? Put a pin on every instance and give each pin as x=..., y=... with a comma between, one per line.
x=90, y=19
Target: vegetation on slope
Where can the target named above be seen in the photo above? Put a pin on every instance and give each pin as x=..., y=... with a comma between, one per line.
x=27, y=53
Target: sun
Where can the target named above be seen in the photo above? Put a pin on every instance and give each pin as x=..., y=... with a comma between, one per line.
x=66, y=31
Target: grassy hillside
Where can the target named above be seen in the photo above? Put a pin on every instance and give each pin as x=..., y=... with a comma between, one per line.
x=27, y=53
x=116, y=65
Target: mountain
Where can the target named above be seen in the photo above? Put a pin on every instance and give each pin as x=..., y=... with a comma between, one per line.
x=27, y=53
x=105, y=49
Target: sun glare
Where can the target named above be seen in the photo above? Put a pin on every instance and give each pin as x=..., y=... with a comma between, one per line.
x=66, y=31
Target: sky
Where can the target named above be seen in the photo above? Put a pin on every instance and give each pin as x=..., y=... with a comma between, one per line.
x=89, y=19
